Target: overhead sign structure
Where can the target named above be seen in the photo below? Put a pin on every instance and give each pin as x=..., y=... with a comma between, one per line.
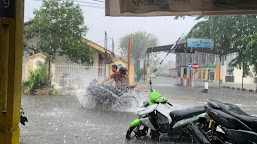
x=7, y=8
x=200, y=43
x=190, y=66
x=195, y=66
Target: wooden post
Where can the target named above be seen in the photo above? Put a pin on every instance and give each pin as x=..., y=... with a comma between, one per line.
x=129, y=54
x=11, y=49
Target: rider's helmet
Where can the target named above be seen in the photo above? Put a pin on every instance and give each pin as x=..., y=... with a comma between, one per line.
x=123, y=71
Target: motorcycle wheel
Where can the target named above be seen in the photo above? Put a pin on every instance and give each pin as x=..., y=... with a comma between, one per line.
x=155, y=135
x=137, y=131
x=213, y=137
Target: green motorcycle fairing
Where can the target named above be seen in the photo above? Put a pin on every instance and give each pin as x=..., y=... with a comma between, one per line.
x=156, y=97
x=136, y=122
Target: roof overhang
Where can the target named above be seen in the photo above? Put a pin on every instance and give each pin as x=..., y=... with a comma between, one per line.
x=181, y=47
x=144, y=8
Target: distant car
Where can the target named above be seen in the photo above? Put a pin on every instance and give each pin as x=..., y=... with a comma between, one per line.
x=152, y=76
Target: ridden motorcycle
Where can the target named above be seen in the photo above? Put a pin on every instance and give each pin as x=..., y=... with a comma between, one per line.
x=23, y=119
x=109, y=96
x=226, y=123
x=155, y=116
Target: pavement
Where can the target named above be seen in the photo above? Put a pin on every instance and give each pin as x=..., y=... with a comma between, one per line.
x=187, y=96
x=64, y=119
x=231, y=85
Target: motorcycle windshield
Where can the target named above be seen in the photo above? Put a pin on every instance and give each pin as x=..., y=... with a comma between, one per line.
x=147, y=110
x=156, y=97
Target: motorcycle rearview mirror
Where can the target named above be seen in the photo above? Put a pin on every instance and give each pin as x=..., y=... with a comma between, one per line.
x=150, y=82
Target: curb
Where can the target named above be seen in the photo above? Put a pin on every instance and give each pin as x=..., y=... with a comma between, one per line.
x=236, y=88
x=251, y=90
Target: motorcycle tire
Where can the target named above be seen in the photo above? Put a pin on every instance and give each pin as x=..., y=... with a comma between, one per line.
x=137, y=132
x=155, y=135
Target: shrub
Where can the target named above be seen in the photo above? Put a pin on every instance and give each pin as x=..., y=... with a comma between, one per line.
x=38, y=78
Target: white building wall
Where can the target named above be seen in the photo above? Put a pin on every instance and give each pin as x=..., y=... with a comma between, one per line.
x=238, y=77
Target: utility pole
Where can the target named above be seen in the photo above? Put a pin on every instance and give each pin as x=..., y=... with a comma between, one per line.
x=129, y=45
x=112, y=46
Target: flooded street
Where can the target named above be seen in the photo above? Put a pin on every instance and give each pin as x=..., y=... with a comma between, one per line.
x=61, y=119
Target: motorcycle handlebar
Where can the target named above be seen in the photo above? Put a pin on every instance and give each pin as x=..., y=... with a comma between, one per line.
x=169, y=104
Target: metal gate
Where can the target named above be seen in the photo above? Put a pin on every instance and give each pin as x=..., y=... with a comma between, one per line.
x=77, y=75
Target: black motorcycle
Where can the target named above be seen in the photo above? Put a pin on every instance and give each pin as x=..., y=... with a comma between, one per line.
x=109, y=96
x=225, y=124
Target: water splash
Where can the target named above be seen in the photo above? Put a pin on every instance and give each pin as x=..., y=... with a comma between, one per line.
x=109, y=97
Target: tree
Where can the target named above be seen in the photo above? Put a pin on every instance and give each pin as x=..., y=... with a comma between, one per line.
x=247, y=56
x=231, y=32
x=58, y=26
x=140, y=41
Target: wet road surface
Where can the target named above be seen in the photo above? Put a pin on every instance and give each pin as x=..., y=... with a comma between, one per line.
x=61, y=119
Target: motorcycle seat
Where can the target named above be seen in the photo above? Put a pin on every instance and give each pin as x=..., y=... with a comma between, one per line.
x=250, y=121
x=178, y=115
x=235, y=111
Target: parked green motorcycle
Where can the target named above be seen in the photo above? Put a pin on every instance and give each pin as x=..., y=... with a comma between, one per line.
x=155, y=117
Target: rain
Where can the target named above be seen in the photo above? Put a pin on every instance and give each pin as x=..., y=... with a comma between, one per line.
x=73, y=90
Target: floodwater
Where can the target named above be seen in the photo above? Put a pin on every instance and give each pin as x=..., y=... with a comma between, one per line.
x=73, y=119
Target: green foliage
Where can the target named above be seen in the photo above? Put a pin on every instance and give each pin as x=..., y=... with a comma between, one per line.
x=38, y=79
x=54, y=92
x=231, y=33
x=247, y=56
x=59, y=27
x=140, y=41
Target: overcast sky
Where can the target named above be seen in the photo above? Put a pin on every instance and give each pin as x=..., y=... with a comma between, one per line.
x=166, y=28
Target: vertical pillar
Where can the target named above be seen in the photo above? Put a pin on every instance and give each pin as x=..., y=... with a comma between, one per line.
x=202, y=74
x=148, y=74
x=128, y=55
x=217, y=73
x=198, y=74
x=11, y=51
x=131, y=75
x=206, y=74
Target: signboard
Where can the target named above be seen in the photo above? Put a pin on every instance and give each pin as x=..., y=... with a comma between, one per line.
x=190, y=66
x=179, y=7
x=200, y=43
x=7, y=8
x=195, y=66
